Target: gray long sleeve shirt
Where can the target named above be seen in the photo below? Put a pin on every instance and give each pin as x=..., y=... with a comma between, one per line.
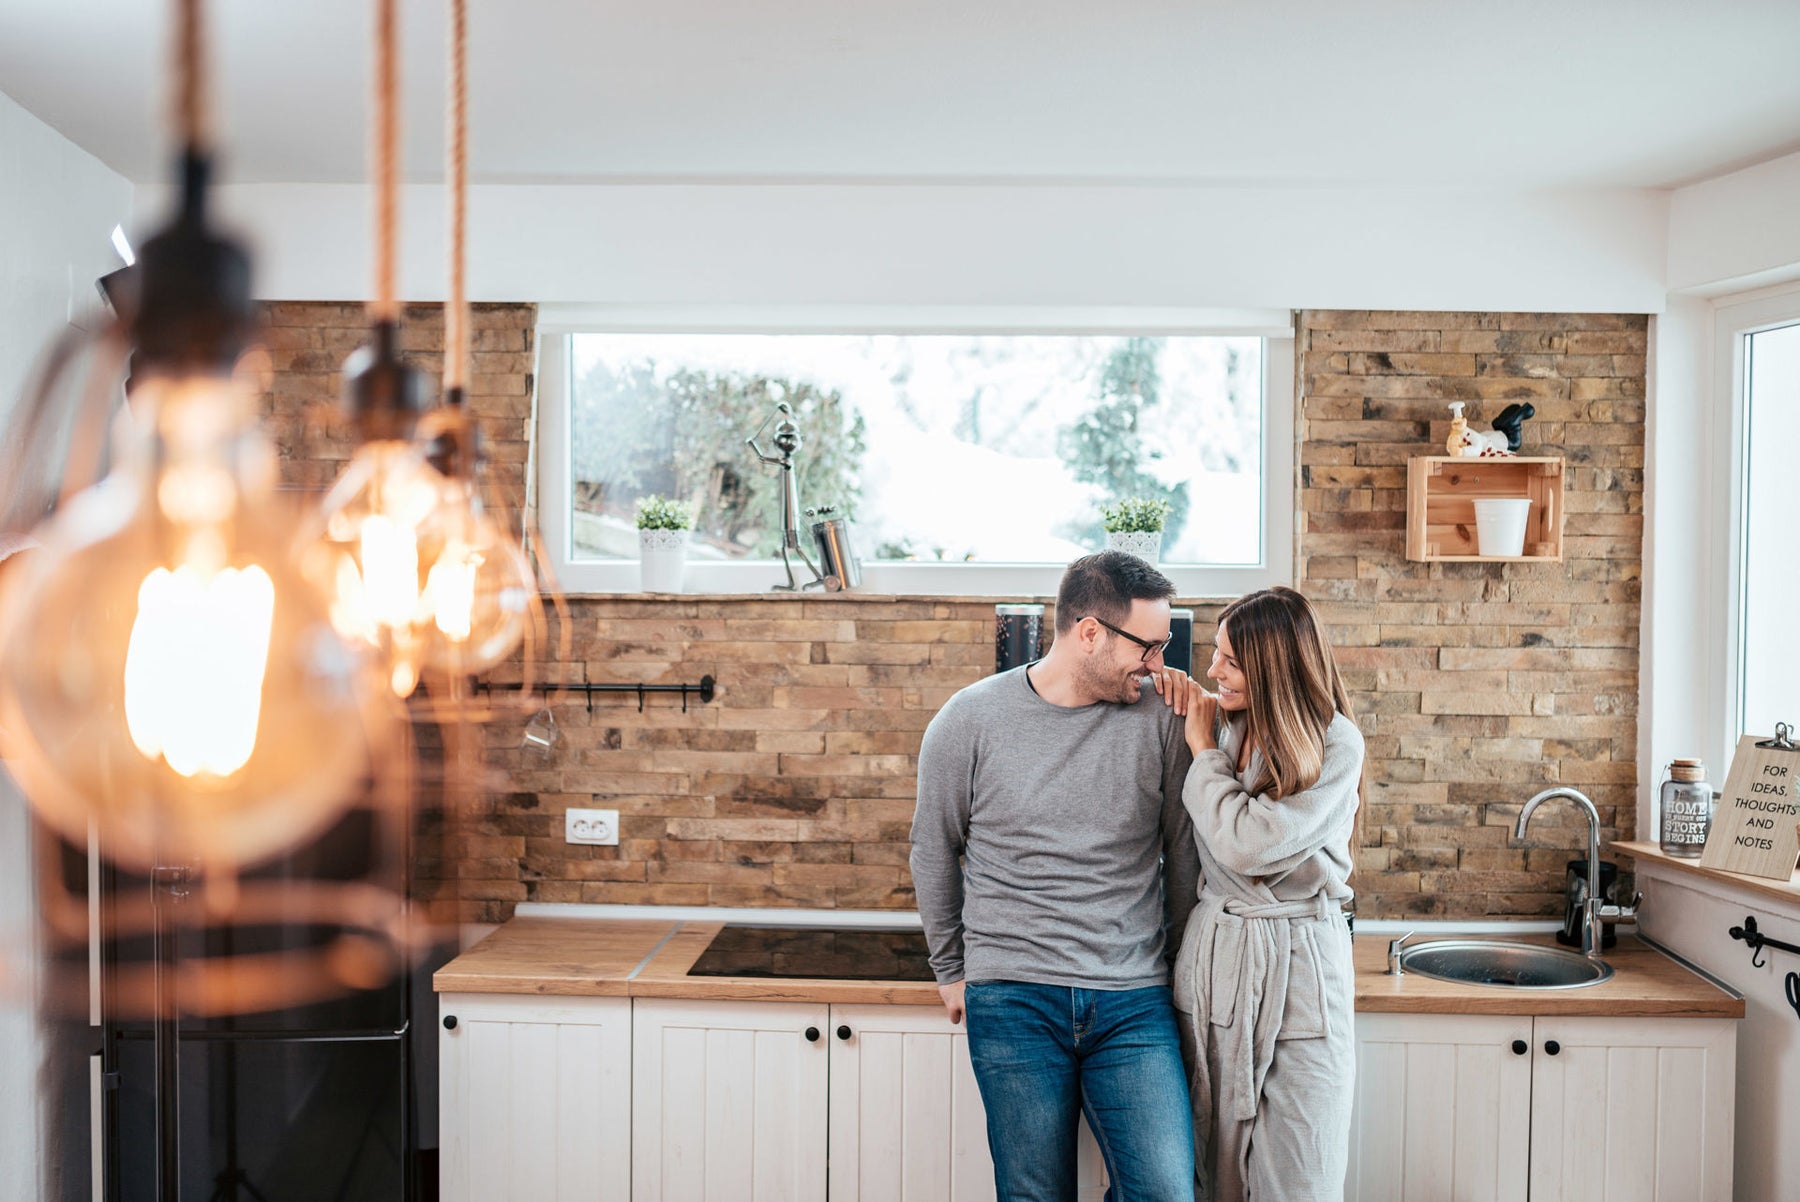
x=1050, y=844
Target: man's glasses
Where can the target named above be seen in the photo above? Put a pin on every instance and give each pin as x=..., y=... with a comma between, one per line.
x=1150, y=648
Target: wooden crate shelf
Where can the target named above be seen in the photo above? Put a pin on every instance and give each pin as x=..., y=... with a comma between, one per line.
x=1441, y=492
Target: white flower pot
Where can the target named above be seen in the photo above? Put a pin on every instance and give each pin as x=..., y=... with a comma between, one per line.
x=1145, y=544
x=662, y=560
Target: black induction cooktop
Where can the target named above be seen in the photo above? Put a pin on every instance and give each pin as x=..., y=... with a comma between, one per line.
x=828, y=953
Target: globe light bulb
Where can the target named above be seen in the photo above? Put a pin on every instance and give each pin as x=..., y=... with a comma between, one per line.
x=379, y=539
x=480, y=590
x=379, y=533
x=164, y=668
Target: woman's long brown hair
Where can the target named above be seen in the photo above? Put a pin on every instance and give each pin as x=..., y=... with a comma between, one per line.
x=1293, y=688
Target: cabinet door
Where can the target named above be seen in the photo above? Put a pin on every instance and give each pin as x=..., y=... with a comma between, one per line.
x=907, y=1123
x=1632, y=1109
x=728, y=1101
x=534, y=1099
x=1442, y=1109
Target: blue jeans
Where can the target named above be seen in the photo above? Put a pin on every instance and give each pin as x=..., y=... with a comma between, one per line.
x=1045, y=1053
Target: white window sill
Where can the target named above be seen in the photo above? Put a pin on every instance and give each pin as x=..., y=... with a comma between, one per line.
x=964, y=581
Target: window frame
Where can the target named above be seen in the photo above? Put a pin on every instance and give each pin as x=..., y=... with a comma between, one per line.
x=552, y=444
x=1735, y=320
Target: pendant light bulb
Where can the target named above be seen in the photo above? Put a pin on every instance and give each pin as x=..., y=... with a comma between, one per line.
x=481, y=590
x=380, y=530
x=164, y=670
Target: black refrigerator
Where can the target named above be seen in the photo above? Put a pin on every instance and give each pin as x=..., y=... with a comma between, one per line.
x=307, y=1103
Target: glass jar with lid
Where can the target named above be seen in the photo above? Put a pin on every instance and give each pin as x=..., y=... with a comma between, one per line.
x=1686, y=808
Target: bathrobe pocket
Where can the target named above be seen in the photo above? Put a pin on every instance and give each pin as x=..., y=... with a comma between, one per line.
x=1303, y=1016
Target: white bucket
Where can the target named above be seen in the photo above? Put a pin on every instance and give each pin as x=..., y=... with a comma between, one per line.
x=1500, y=525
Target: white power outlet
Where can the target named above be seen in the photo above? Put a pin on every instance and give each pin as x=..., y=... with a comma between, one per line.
x=598, y=827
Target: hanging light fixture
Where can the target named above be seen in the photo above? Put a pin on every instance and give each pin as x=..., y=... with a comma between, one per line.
x=480, y=591
x=164, y=671
x=379, y=534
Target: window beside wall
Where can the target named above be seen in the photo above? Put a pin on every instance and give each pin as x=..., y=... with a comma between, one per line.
x=969, y=462
x=1768, y=645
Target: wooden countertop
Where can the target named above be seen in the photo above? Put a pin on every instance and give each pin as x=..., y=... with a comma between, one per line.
x=1644, y=983
x=557, y=956
x=651, y=958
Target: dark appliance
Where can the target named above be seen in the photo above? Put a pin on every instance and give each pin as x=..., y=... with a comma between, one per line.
x=317, y=1101
x=827, y=953
x=1575, y=893
x=1179, y=654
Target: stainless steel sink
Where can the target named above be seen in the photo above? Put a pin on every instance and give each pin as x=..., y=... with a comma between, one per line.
x=1509, y=965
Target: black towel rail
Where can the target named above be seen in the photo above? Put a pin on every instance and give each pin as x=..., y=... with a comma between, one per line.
x=1758, y=941
x=704, y=690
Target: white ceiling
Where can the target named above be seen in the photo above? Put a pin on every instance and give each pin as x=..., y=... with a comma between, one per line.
x=1526, y=93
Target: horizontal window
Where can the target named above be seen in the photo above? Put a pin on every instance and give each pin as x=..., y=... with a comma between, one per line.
x=970, y=463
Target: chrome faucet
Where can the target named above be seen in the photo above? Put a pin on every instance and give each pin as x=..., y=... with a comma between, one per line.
x=1596, y=913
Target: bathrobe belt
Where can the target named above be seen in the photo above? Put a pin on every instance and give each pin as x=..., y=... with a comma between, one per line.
x=1242, y=988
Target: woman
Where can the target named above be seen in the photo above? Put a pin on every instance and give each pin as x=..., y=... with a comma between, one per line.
x=1263, y=981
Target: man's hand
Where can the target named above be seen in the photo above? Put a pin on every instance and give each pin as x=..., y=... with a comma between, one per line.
x=953, y=999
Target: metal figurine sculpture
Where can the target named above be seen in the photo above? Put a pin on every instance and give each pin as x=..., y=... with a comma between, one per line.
x=787, y=441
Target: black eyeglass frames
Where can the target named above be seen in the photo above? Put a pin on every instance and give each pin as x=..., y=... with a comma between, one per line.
x=1150, y=648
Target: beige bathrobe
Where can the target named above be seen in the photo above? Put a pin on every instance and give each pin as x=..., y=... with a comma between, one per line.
x=1263, y=983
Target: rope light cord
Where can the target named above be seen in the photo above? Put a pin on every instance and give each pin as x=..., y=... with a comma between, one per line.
x=387, y=132
x=190, y=63
x=456, y=316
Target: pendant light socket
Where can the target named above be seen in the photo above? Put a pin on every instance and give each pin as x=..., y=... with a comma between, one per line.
x=383, y=396
x=190, y=301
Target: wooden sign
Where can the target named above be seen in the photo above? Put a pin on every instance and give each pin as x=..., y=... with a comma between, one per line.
x=1756, y=827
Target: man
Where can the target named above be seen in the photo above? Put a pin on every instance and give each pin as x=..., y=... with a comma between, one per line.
x=1058, y=786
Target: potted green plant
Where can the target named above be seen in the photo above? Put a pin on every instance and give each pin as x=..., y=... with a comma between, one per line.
x=663, y=528
x=1135, y=525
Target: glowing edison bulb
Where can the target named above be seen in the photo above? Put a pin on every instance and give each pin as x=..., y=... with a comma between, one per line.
x=163, y=668
x=195, y=664
x=480, y=591
x=380, y=536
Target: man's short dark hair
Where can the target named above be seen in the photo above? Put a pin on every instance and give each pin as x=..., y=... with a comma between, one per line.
x=1104, y=586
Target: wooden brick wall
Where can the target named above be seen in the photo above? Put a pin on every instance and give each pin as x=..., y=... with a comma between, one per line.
x=1475, y=684
x=307, y=343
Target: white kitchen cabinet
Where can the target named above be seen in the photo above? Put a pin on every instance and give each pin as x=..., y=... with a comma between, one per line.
x=907, y=1124
x=1473, y=1108
x=728, y=1101
x=883, y=1107
x=534, y=1100
x=1632, y=1109
x=1442, y=1109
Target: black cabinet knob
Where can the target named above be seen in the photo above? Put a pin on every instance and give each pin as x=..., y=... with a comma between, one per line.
x=812, y=1035
x=1520, y=1047
x=843, y=1032
x=1552, y=1047
x=449, y=1022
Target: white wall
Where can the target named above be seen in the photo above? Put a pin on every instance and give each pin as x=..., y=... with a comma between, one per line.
x=1738, y=231
x=1075, y=246
x=1692, y=915
x=58, y=206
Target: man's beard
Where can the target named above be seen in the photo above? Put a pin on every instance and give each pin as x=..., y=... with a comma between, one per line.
x=1108, y=686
